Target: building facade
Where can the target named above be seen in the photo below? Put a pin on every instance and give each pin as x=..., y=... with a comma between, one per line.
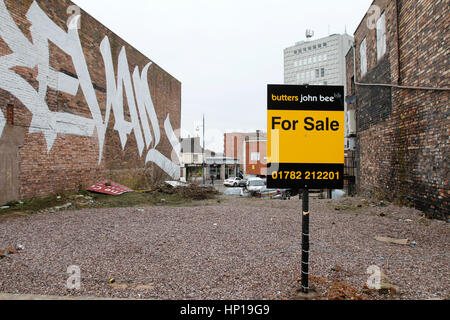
x=220, y=167
x=79, y=104
x=192, y=151
x=397, y=79
x=319, y=62
x=250, y=149
x=255, y=159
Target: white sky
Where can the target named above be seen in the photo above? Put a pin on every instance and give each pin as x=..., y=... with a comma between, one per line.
x=224, y=52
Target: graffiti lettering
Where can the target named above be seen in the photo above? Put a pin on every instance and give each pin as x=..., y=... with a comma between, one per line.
x=51, y=124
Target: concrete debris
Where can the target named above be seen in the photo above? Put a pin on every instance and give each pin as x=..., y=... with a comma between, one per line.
x=67, y=205
x=142, y=287
x=392, y=240
x=177, y=184
x=119, y=286
x=56, y=209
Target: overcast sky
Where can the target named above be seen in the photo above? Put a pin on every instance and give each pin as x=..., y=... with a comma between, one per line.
x=223, y=52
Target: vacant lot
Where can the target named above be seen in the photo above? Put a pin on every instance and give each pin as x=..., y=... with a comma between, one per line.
x=226, y=249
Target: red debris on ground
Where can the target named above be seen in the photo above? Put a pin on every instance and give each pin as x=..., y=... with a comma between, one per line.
x=335, y=289
x=4, y=253
x=110, y=188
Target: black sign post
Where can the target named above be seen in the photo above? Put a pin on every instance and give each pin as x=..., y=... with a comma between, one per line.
x=305, y=241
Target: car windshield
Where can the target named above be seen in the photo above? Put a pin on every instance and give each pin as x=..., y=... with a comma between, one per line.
x=256, y=183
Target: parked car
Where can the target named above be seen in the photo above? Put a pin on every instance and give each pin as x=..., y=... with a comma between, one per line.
x=277, y=193
x=268, y=193
x=254, y=185
x=235, y=192
x=243, y=183
x=232, y=182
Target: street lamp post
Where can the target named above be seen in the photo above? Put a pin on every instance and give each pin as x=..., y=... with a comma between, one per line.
x=203, y=153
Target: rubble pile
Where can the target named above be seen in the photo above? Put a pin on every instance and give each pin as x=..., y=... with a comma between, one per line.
x=192, y=192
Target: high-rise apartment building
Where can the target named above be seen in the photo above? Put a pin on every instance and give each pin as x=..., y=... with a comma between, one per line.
x=317, y=62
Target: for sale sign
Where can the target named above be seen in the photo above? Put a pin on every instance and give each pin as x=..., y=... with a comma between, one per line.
x=305, y=126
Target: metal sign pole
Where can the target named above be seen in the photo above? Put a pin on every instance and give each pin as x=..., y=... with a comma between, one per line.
x=305, y=241
x=203, y=154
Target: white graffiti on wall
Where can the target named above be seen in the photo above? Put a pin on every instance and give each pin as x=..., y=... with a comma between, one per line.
x=51, y=124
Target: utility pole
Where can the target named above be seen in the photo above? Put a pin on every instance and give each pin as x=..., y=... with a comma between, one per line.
x=203, y=151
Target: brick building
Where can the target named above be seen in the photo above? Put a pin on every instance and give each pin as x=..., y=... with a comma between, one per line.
x=250, y=149
x=256, y=157
x=79, y=104
x=397, y=81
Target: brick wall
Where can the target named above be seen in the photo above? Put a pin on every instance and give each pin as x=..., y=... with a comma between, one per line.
x=59, y=88
x=403, y=134
x=234, y=143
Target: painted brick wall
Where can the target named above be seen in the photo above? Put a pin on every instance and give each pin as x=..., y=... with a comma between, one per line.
x=403, y=134
x=60, y=104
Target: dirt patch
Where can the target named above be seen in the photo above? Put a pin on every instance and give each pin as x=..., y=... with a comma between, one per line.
x=161, y=195
x=338, y=289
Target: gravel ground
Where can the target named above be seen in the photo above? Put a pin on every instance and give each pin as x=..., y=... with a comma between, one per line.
x=233, y=249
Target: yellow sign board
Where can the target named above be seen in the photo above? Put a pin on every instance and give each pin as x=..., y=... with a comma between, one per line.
x=305, y=126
